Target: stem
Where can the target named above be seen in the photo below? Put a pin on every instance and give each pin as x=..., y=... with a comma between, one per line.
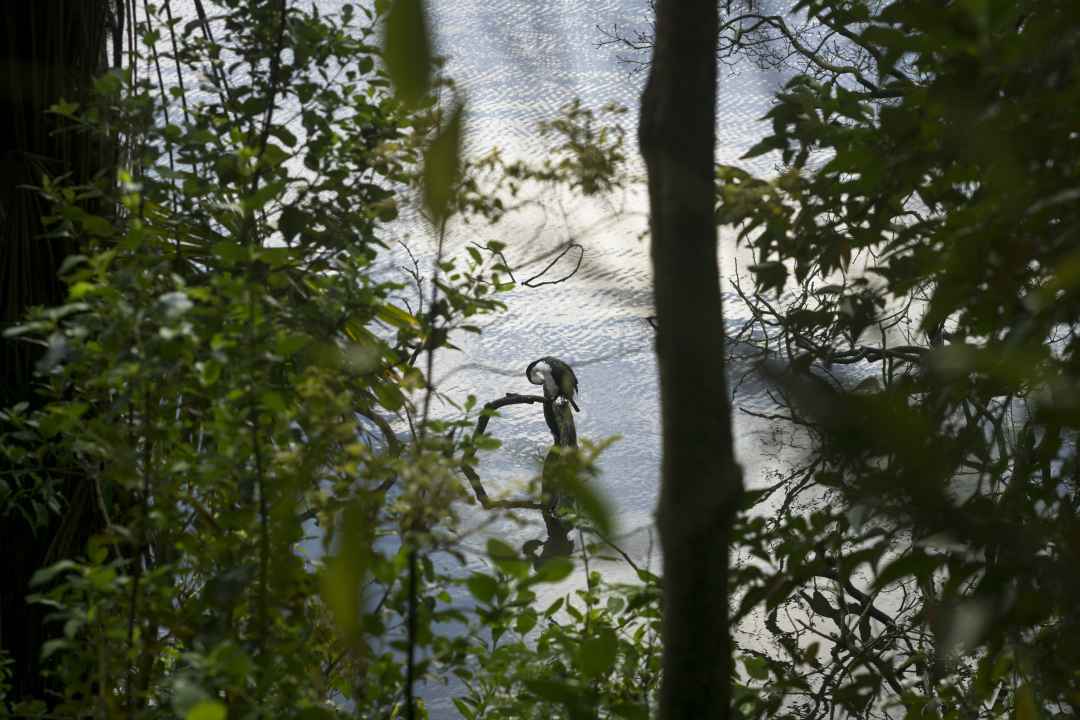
x=137, y=558
x=165, y=110
x=248, y=236
x=176, y=59
x=410, y=538
x=410, y=666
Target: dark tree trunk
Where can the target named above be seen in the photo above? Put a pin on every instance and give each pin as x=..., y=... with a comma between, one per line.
x=701, y=483
x=49, y=50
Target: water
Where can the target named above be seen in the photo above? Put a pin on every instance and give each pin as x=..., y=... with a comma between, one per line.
x=517, y=63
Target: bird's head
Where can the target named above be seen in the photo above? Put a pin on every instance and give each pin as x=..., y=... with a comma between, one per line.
x=538, y=371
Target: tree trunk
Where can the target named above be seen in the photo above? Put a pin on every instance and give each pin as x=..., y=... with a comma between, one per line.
x=49, y=50
x=701, y=483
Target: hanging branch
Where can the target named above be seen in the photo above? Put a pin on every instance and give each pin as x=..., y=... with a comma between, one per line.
x=531, y=281
x=569, y=246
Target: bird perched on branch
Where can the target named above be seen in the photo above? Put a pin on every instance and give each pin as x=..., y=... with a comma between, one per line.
x=557, y=378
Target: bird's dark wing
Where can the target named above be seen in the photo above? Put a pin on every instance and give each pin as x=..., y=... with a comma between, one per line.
x=573, y=378
x=563, y=369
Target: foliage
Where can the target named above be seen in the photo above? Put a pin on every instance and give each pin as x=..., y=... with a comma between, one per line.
x=921, y=555
x=239, y=375
x=594, y=653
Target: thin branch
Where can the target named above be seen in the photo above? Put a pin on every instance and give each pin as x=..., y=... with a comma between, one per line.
x=481, y=427
x=569, y=246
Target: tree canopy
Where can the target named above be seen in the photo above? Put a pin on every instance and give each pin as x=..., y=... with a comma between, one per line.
x=914, y=310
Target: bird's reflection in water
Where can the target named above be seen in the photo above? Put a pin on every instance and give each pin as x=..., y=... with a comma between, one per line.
x=557, y=543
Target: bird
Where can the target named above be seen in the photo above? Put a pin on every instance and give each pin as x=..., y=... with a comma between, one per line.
x=557, y=378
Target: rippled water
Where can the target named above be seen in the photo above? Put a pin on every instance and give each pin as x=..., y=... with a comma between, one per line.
x=517, y=63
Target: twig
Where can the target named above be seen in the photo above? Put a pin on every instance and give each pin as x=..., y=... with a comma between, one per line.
x=569, y=246
x=470, y=473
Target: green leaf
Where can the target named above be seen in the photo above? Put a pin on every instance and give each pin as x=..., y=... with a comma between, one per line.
x=316, y=713
x=70, y=263
x=291, y=222
x=1025, y=707
x=344, y=571
x=393, y=315
x=283, y=134
x=507, y=559
x=65, y=108
x=631, y=711
x=289, y=343
x=482, y=587
x=554, y=691
x=756, y=668
x=209, y=372
x=597, y=653
x=770, y=275
x=442, y=165
x=273, y=155
x=553, y=570
x=263, y=195
x=917, y=564
x=820, y=604
x=231, y=252
x=594, y=506
x=554, y=607
x=46, y=574
x=186, y=694
x=207, y=710
x=109, y=83
x=80, y=290
x=96, y=225
x=51, y=647
x=407, y=50
x=765, y=146
x=389, y=396
x=273, y=401
x=466, y=712
x=526, y=621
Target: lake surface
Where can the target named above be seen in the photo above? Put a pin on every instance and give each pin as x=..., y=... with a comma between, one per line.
x=517, y=62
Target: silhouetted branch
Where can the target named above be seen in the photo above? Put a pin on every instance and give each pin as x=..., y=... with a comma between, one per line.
x=569, y=246
x=481, y=427
x=531, y=281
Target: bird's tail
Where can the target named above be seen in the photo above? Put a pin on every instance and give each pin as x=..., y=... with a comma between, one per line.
x=574, y=405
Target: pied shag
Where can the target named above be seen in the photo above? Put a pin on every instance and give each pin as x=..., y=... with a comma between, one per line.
x=557, y=378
